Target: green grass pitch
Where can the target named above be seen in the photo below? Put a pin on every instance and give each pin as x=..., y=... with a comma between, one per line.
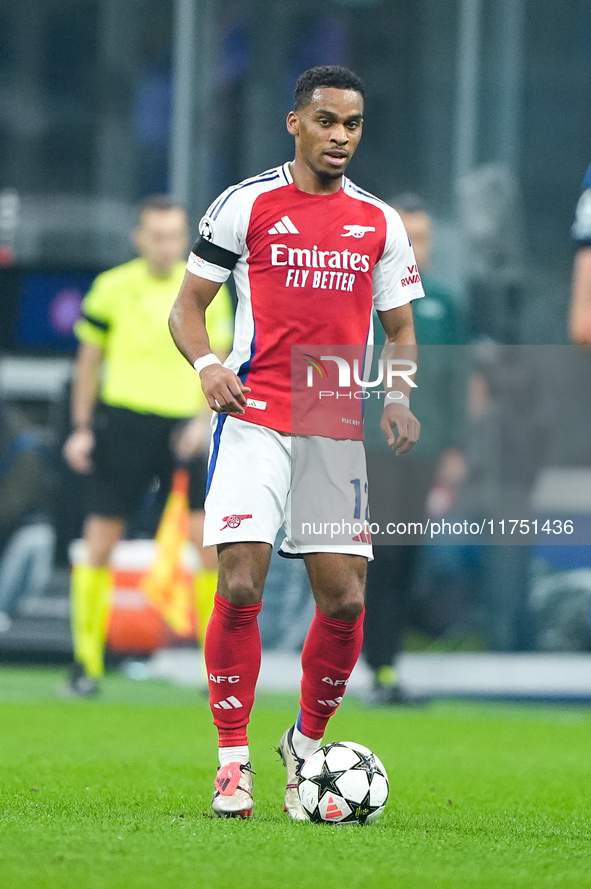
x=115, y=793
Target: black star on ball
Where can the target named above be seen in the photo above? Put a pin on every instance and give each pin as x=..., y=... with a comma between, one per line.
x=366, y=764
x=326, y=780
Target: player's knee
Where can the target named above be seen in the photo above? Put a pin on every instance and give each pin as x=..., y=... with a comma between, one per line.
x=240, y=588
x=344, y=605
x=242, y=572
x=101, y=536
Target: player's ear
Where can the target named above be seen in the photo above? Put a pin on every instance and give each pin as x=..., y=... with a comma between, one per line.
x=293, y=123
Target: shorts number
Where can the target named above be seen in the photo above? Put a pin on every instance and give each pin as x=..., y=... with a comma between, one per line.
x=356, y=482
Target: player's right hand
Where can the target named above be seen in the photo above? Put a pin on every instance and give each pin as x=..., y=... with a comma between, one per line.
x=77, y=450
x=224, y=391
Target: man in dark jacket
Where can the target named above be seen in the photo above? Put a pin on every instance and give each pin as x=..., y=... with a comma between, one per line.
x=398, y=491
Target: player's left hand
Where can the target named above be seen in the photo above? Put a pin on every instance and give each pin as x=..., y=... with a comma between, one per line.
x=400, y=418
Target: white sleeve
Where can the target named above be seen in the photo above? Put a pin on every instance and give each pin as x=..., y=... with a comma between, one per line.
x=222, y=237
x=396, y=278
x=203, y=269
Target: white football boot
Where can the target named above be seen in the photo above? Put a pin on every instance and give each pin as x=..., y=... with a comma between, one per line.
x=233, y=791
x=293, y=764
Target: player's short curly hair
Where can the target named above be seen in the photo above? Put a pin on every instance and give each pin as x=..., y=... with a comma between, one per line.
x=159, y=202
x=336, y=76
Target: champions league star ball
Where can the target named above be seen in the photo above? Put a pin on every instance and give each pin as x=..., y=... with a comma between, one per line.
x=343, y=783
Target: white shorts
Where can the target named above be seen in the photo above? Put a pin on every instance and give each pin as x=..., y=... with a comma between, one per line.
x=255, y=489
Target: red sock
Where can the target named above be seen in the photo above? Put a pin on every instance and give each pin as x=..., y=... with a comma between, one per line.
x=331, y=650
x=233, y=660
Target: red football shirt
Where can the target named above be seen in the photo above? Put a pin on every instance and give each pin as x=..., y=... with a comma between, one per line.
x=308, y=269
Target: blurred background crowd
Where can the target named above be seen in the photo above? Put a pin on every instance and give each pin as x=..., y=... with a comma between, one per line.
x=477, y=127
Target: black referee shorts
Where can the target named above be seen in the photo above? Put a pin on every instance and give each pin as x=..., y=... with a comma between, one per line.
x=132, y=453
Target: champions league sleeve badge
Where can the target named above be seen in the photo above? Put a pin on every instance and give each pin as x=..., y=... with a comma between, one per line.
x=206, y=229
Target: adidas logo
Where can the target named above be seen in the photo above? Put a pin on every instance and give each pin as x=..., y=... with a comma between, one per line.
x=284, y=227
x=329, y=703
x=332, y=810
x=228, y=704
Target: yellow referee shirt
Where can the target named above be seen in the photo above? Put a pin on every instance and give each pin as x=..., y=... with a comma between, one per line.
x=125, y=313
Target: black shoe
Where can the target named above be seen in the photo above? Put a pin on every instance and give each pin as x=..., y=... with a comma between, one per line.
x=79, y=684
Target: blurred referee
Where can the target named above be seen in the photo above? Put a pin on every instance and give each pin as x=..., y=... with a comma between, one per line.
x=133, y=396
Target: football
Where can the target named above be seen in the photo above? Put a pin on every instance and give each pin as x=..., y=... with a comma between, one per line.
x=343, y=783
